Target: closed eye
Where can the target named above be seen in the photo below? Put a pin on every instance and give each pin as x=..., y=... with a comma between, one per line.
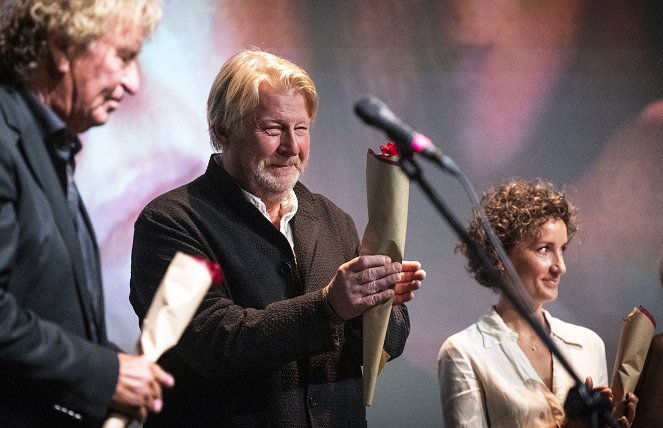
x=272, y=131
x=127, y=56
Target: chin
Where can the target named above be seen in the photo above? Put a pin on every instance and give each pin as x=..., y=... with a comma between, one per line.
x=280, y=184
x=97, y=121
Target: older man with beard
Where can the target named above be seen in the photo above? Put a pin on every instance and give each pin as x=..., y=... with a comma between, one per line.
x=279, y=342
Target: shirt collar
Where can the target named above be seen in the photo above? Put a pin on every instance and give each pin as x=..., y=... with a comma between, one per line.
x=494, y=330
x=559, y=329
x=53, y=129
x=48, y=121
x=289, y=206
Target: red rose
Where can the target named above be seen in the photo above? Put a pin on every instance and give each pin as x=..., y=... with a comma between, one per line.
x=214, y=269
x=390, y=149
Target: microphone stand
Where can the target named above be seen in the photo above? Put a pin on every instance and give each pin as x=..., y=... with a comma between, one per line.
x=590, y=403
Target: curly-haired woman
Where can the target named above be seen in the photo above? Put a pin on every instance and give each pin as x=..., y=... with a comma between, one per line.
x=498, y=372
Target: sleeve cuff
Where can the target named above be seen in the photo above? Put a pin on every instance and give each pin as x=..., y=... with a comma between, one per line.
x=334, y=319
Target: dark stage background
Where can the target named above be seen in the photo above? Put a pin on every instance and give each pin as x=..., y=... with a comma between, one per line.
x=565, y=90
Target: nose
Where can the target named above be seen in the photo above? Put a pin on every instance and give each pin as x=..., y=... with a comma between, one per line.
x=558, y=265
x=289, y=143
x=131, y=78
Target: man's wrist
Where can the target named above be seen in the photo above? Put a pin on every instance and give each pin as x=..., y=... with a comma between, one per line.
x=333, y=316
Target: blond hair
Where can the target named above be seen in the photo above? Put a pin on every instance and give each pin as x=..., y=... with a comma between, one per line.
x=235, y=92
x=27, y=25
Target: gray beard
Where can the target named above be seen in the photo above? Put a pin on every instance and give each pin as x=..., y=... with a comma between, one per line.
x=266, y=183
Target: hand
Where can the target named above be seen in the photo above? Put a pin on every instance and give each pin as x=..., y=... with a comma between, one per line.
x=138, y=389
x=631, y=405
x=607, y=395
x=631, y=402
x=411, y=277
x=361, y=283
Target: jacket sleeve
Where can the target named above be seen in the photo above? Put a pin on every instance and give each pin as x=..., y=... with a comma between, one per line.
x=225, y=340
x=650, y=387
x=397, y=331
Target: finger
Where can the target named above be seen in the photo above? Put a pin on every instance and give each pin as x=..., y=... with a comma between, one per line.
x=379, y=285
x=143, y=412
x=378, y=298
x=589, y=383
x=631, y=407
x=157, y=406
x=362, y=263
x=374, y=274
x=407, y=276
x=148, y=402
x=155, y=395
x=399, y=299
x=624, y=422
x=409, y=265
x=406, y=287
x=607, y=394
x=419, y=275
x=162, y=376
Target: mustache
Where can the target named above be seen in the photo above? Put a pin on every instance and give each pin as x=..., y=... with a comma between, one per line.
x=293, y=161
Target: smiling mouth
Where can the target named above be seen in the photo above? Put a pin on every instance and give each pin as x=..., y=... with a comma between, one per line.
x=552, y=282
x=112, y=104
x=284, y=166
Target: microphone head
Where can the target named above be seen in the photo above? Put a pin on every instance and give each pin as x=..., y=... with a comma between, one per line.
x=371, y=110
x=376, y=113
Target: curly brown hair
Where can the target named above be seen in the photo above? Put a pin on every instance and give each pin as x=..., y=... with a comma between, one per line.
x=517, y=210
x=26, y=24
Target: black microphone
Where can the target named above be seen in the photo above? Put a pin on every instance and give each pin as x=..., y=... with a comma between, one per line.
x=376, y=113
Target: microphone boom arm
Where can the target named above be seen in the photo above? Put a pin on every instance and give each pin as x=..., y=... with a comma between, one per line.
x=593, y=405
x=375, y=113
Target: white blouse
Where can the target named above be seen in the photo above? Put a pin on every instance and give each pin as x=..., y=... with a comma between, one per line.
x=487, y=381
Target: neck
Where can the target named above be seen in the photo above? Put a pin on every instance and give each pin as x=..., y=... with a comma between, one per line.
x=52, y=94
x=272, y=201
x=274, y=212
x=513, y=319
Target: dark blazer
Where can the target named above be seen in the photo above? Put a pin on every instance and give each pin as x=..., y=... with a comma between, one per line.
x=53, y=367
x=260, y=351
x=649, y=413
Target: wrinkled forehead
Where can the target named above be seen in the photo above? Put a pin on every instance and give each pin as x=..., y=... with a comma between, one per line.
x=127, y=41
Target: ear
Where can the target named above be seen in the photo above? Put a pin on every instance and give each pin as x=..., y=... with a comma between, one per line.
x=59, y=53
x=220, y=135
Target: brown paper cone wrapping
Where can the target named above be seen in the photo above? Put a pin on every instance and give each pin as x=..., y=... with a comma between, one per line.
x=179, y=294
x=634, y=343
x=388, y=194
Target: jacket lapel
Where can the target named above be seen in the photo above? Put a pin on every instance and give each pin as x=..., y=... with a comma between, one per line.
x=305, y=224
x=33, y=149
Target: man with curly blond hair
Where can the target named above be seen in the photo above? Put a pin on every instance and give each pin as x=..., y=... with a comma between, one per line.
x=64, y=67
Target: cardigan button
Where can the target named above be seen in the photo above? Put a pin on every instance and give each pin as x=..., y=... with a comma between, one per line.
x=312, y=401
x=285, y=268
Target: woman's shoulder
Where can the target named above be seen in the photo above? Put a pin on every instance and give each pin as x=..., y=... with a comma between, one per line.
x=472, y=337
x=573, y=333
